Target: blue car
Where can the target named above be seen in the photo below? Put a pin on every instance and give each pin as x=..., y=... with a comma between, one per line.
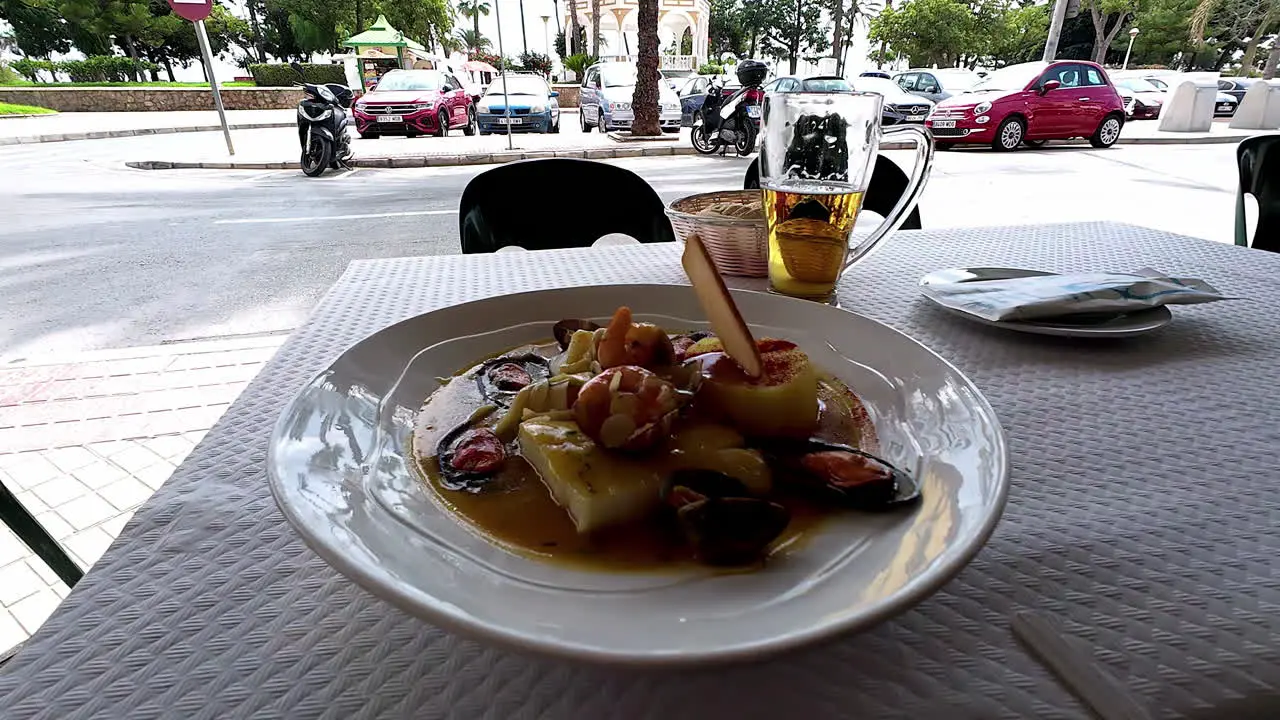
x=534, y=107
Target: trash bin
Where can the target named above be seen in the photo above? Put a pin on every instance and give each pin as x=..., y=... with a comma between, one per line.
x=1190, y=108
x=1260, y=108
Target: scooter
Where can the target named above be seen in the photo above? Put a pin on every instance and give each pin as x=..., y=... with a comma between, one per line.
x=322, y=125
x=723, y=122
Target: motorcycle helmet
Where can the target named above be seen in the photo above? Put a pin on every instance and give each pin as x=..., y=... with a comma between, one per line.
x=752, y=72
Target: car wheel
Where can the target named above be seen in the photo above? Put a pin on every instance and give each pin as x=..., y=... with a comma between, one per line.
x=442, y=124
x=472, y=125
x=1009, y=135
x=412, y=134
x=601, y=127
x=582, y=119
x=1034, y=143
x=1107, y=133
x=556, y=128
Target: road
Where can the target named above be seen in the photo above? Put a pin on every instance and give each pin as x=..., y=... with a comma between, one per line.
x=95, y=255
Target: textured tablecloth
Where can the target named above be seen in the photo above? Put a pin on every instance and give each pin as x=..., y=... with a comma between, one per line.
x=1145, y=512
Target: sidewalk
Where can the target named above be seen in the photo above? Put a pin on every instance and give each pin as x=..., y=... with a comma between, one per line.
x=85, y=440
x=99, y=125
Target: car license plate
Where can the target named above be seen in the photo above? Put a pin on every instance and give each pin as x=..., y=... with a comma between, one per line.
x=753, y=111
x=390, y=118
x=510, y=121
x=1224, y=106
x=945, y=123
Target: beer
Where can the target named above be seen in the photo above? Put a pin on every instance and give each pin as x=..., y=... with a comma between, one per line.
x=809, y=223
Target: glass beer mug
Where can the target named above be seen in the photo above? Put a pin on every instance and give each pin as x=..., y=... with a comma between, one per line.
x=816, y=159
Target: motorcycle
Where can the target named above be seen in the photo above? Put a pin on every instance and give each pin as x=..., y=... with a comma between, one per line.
x=322, y=126
x=723, y=122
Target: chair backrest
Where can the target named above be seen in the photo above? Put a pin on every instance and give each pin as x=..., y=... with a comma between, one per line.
x=1258, y=160
x=887, y=186
x=558, y=203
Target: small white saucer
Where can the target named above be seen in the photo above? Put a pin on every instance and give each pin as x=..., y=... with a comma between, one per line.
x=1109, y=325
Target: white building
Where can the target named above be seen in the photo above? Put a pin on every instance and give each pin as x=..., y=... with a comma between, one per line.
x=618, y=31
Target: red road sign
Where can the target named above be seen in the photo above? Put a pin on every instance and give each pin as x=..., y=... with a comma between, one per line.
x=192, y=10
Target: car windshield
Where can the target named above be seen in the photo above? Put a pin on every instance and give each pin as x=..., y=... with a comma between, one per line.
x=1158, y=84
x=1014, y=77
x=519, y=86
x=879, y=86
x=618, y=75
x=1138, y=85
x=827, y=85
x=957, y=78
x=411, y=80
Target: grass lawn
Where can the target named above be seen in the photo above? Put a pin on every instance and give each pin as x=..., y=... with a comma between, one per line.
x=128, y=84
x=10, y=109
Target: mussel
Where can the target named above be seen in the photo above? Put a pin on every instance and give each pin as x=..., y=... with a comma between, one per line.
x=565, y=329
x=842, y=474
x=500, y=378
x=470, y=457
x=681, y=343
x=720, y=520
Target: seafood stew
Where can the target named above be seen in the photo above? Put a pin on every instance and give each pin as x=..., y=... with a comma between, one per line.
x=638, y=447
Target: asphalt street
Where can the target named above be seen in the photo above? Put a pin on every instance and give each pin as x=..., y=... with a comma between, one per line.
x=96, y=255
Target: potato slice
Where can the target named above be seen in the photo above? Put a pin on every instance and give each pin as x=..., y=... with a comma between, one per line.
x=783, y=401
x=597, y=488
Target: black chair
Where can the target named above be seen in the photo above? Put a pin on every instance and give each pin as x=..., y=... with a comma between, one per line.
x=887, y=186
x=1258, y=161
x=34, y=536
x=509, y=205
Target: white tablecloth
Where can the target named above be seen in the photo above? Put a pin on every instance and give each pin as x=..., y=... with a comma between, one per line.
x=1145, y=512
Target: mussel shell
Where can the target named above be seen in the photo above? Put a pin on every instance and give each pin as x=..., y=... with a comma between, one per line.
x=451, y=478
x=565, y=329
x=898, y=490
x=536, y=365
x=732, y=530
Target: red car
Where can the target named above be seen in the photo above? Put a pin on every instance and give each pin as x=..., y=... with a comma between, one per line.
x=415, y=102
x=1030, y=104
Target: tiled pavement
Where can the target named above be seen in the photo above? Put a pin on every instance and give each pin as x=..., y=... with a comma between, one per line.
x=84, y=441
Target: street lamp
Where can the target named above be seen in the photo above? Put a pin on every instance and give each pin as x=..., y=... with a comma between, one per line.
x=1133, y=34
x=546, y=34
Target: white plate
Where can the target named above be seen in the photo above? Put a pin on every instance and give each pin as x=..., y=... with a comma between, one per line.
x=510, y=121
x=384, y=530
x=944, y=123
x=390, y=118
x=1105, y=326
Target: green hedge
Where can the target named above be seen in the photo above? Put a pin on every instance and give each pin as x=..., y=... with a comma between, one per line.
x=711, y=69
x=95, y=68
x=281, y=75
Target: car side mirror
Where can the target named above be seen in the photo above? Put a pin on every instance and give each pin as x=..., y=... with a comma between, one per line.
x=1049, y=85
x=447, y=88
x=555, y=93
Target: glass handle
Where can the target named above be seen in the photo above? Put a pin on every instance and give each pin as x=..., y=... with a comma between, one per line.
x=923, y=140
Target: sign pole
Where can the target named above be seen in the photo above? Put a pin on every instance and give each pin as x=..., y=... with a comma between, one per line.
x=203, y=38
x=506, y=99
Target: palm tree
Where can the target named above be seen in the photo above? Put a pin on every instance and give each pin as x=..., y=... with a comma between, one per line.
x=474, y=9
x=645, y=101
x=595, y=28
x=471, y=39
x=1270, y=13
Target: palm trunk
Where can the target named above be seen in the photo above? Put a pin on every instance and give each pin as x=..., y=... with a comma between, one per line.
x=595, y=29
x=837, y=19
x=359, y=16
x=524, y=36
x=644, y=101
x=1273, y=58
x=252, y=5
x=475, y=27
x=794, y=43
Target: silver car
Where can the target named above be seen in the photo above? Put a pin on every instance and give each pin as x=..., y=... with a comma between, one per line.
x=604, y=100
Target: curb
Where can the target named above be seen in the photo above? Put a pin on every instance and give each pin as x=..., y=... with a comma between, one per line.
x=27, y=115
x=104, y=134
x=417, y=161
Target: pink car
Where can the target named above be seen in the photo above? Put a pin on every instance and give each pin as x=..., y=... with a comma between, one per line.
x=415, y=102
x=1030, y=104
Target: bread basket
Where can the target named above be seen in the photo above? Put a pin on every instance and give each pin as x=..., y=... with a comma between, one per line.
x=737, y=246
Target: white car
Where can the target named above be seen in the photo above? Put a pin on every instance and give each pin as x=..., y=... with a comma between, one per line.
x=604, y=101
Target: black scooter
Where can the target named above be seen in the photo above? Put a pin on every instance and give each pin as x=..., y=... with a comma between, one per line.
x=728, y=121
x=322, y=125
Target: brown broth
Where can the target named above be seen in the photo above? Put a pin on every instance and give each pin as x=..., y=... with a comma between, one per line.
x=522, y=516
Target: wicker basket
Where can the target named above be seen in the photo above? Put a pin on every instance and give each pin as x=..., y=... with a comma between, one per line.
x=737, y=247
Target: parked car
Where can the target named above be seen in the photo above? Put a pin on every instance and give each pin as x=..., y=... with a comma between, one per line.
x=693, y=93
x=874, y=74
x=533, y=103
x=1224, y=105
x=889, y=115
x=1142, y=100
x=676, y=78
x=604, y=102
x=415, y=102
x=1236, y=87
x=1032, y=103
x=937, y=84
x=909, y=108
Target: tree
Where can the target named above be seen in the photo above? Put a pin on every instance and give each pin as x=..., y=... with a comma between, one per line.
x=428, y=21
x=644, y=101
x=473, y=9
x=38, y=31
x=1109, y=18
x=792, y=27
x=726, y=29
x=927, y=32
x=595, y=28
x=477, y=43
x=1016, y=34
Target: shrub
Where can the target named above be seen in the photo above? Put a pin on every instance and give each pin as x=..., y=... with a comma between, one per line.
x=579, y=63
x=281, y=75
x=710, y=68
x=30, y=69
x=8, y=76
x=536, y=62
x=105, y=68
